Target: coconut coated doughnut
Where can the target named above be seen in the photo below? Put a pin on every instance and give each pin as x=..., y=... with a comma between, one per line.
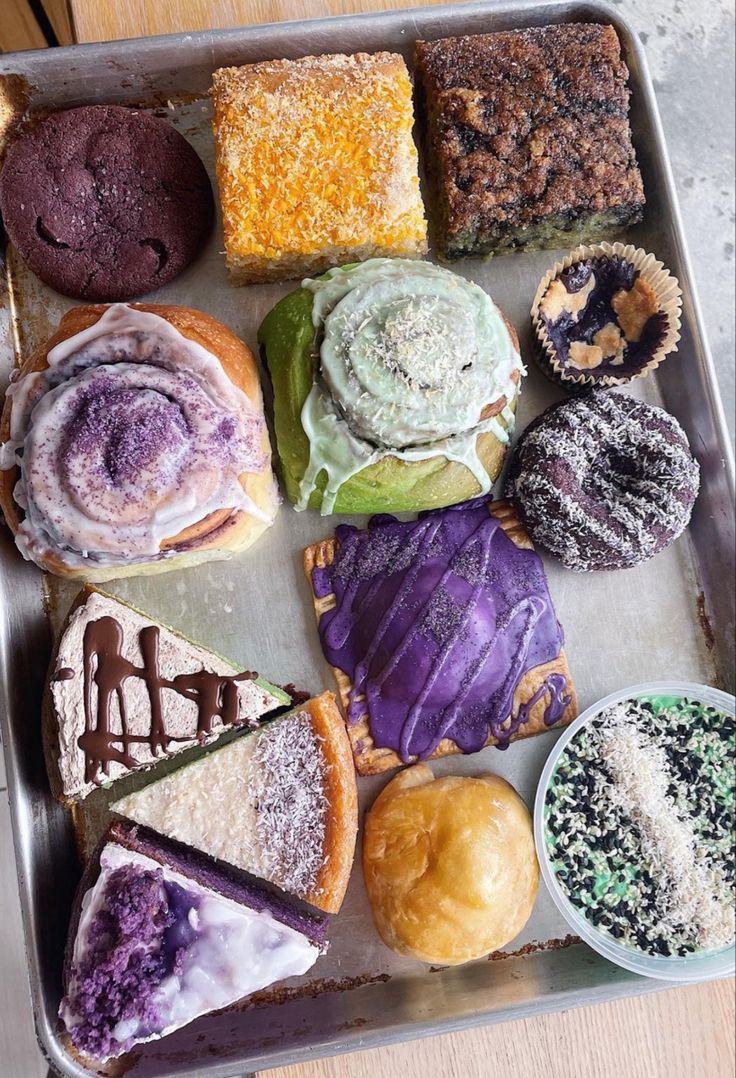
x=603, y=481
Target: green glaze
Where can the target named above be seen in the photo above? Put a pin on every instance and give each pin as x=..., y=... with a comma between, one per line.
x=361, y=476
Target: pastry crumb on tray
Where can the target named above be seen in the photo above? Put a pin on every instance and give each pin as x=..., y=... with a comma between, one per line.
x=528, y=138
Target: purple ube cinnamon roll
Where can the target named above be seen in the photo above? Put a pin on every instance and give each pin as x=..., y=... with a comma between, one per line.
x=134, y=441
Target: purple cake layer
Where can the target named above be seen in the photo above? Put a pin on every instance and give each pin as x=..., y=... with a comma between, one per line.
x=436, y=621
x=203, y=870
x=218, y=877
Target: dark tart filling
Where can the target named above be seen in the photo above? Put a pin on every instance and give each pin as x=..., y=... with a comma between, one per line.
x=639, y=819
x=602, y=317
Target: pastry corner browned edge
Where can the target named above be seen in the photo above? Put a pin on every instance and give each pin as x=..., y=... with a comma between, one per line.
x=341, y=795
x=369, y=758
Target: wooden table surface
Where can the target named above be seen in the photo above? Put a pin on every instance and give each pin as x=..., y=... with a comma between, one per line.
x=675, y=1034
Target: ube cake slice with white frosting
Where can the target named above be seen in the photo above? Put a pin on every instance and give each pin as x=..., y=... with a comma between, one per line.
x=280, y=803
x=126, y=691
x=161, y=935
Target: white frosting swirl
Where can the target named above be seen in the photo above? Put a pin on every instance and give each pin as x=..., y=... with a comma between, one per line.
x=410, y=356
x=132, y=434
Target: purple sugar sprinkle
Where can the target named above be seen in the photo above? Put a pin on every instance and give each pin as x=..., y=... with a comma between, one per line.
x=132, y=430
x=226, y=429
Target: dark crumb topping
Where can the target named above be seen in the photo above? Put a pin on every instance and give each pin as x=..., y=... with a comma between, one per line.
x=530, y=124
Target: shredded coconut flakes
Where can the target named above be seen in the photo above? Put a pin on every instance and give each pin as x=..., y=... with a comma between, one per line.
x=287, y=788
x=696, y=894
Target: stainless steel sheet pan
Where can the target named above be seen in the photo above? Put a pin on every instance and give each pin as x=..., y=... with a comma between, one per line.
x=673, y=616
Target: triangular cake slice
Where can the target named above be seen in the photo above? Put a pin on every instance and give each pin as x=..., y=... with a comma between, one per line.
x=160, y=935
x=126, y=691
x=280, y=803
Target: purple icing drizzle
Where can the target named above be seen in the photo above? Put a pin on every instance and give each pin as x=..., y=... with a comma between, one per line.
x=135, y=940
x=436, y=622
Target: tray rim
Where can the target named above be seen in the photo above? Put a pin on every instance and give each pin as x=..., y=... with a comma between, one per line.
x=627, y=984
x=598, y=8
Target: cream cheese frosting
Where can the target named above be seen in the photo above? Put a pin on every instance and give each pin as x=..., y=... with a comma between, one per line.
x=410, y=355
x=131, y=435
x=176, y=657
x=227, y=951
x=257, y=803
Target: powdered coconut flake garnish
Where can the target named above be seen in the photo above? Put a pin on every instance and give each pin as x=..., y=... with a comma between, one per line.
x=287, y=788
x=695, y=893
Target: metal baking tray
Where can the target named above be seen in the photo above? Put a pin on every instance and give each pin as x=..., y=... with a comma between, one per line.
x=672, y=617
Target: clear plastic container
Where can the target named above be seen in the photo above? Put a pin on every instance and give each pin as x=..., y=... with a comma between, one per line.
x=704, y=966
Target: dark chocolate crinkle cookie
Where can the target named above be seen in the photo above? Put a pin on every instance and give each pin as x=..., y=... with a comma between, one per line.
x=104, y=202
x=603, y=482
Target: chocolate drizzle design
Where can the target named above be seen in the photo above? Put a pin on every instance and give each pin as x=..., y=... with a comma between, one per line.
x=105, y=666
x=436, y=622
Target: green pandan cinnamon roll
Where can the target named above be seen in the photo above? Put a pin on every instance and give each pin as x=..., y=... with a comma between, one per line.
x=395, y=384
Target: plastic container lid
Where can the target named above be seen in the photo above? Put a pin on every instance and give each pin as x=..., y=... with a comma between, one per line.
x=703, y=966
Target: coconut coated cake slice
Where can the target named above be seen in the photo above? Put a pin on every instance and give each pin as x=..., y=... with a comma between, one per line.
x=280, y=803
x=125, y=691
x=160, y=936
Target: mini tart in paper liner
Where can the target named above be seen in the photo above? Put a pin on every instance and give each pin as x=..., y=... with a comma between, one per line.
x=617, y=322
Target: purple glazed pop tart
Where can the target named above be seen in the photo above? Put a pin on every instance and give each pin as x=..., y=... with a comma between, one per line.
x=441, y=632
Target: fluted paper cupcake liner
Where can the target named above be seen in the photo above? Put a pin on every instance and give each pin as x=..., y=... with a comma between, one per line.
x=669, y=298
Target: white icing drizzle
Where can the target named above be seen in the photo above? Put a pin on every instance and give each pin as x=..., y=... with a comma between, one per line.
x=410, y=355
x=76, y=506
x=694, y=893
x=236, y=951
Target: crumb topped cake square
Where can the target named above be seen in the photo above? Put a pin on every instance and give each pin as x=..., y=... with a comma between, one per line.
x=316, y=164
x=529, y=143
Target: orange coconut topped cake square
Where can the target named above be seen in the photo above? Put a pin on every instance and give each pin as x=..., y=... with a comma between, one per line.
x=316, y=164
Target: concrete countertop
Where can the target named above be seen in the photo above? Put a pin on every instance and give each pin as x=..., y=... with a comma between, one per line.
x=690, y=49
